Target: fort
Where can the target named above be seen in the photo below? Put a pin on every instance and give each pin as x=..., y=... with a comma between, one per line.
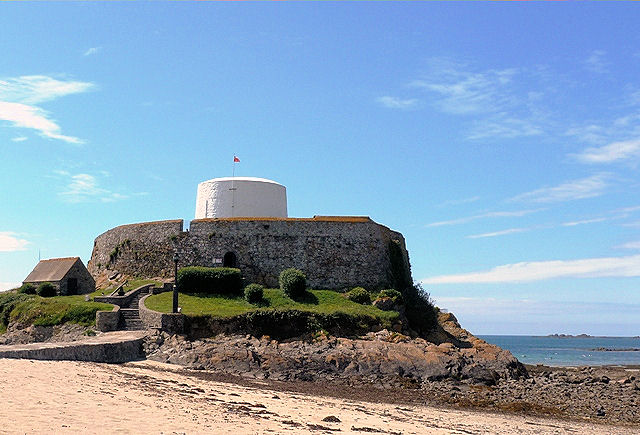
x=335, y=252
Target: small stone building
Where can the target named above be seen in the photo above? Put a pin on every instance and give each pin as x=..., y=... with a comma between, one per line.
x=68, y=275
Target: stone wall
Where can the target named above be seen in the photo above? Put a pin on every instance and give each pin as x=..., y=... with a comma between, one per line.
x=86, y=283
x=140, y=250
x=172, y=323
x=334, y=252
x=108, y=320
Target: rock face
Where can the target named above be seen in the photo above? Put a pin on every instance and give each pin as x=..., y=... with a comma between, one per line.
x=17, y=334
x=383, y=356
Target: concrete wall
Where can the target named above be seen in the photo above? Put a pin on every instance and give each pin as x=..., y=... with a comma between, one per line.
x=334, y=252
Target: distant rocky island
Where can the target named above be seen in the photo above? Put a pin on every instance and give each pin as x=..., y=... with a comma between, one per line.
x=570, y=336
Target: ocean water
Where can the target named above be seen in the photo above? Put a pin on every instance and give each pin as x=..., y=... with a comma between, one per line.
x=569, y=351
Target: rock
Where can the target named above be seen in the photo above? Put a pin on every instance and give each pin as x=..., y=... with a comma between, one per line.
x=331, y=419
x=600, y=412
x=385, y=304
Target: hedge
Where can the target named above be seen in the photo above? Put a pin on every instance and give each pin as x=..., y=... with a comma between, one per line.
x=293, y=282
x=212, y=280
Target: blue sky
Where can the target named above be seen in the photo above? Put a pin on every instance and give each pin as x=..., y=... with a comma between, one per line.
x=503, y=140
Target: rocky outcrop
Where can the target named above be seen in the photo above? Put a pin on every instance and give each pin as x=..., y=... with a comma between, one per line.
x=384, y=356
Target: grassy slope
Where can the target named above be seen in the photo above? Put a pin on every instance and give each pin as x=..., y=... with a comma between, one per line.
x=35, y=310
x=131, y=285
x=317, y=301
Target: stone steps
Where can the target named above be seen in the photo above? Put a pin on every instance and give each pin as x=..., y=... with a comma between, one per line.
x=130, y=314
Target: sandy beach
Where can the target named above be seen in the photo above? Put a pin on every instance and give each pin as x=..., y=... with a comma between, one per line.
x=151, y=397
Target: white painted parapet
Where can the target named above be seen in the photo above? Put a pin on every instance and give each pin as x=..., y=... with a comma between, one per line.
x=240, y=197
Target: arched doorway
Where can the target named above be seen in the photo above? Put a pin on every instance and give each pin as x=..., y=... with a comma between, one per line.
x=229, y=260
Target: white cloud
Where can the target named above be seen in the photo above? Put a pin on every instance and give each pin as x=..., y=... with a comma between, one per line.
x=92, y=50
x=543, y=270
x=504, y=126
x=610, y=153
x=465, y=92
x=450, y=202
x=24, y=116
x=19, y=96
x=498, y=233
x=397, y=103
x=596, y=63
x=583, y=222
x=9, y=242
x=491, y=214
x=39, y=89
x=4, y=286
x=19, y=139
x=84, y=187
x=630, y=245
x=588, y=187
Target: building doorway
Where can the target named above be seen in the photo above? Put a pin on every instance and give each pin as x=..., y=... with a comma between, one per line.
x=229, y=260
x=72, y=286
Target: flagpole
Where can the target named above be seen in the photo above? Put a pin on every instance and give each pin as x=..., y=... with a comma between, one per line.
x=233, y=187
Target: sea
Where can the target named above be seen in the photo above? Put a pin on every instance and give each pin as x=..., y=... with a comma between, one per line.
x=570, y=351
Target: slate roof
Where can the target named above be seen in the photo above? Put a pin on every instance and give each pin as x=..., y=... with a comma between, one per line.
x=51, y=270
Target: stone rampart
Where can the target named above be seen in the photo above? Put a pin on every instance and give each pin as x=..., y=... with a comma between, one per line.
x=141, y=250
x=172, y=323
x=108, y=320
x=334, y=252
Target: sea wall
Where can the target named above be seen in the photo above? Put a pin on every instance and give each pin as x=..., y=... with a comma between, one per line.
x=334, y=252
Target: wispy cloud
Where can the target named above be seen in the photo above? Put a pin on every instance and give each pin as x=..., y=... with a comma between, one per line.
x=92, y=51
x=596, y=62
x=630, y=245
x=491, y=214
x=588, y=187
x=542, y=270
x=463, y=91
x=85, y=188
x=25, y=116
x=19, y=97
x=10, y=242
x=498, y=233
x=452, y=202
x=397, y=103
x=504, y=126
x=19, y=139
x=612, y=152
x=583, y=222
x=39, y=89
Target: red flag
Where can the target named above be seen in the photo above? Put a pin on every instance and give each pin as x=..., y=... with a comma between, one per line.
x=236, y=160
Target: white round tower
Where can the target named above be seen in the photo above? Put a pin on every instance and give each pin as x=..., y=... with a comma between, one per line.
x=240, y=197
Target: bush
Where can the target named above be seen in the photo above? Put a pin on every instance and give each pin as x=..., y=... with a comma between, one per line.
x=359, y=295
x=27, y=289
x=293, y=282
x=212, y=280
x=395, y=295
x=419, y=309
x=8, y=302
x=253, y=293
x=46, y=290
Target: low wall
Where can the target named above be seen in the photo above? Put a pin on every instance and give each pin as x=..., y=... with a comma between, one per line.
x=108, y=320
x=172, y=323
x=124, y=299
x=118, y=347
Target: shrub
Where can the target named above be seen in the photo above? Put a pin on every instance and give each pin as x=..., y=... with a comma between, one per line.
x=395, y=295
x=46, y=290
x=253, y=293
x=419, y=309
x=293, y=282
x=8, y=302
x=27, y=289
x=359, y=295
x=213, y=280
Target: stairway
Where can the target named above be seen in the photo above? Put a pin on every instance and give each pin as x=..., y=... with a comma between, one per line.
x=130, y=314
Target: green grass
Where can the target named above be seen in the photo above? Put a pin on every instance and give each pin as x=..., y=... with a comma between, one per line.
x=131, y=285
x=315, y=301
x=57, y=310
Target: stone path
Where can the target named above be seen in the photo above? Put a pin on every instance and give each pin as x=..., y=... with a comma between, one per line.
x=109, y=347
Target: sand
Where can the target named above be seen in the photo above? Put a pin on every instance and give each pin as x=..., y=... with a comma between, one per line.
x=149, y=397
